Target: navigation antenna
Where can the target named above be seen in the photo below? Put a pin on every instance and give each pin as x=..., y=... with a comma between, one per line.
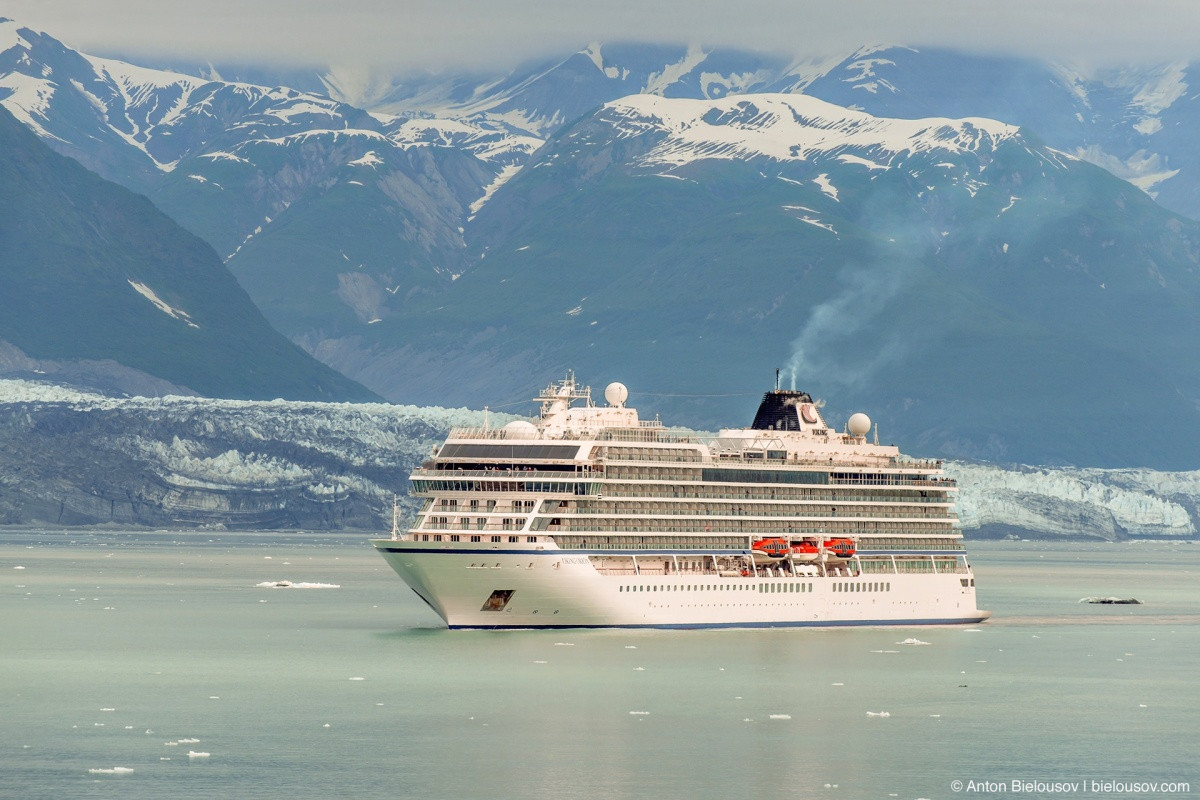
x=395, y=518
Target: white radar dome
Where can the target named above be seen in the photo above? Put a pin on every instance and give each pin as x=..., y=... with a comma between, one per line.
x=616, y=394
x=859, y=424
x=519, y=429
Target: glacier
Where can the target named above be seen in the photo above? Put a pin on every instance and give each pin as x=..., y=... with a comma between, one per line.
x=78, y=458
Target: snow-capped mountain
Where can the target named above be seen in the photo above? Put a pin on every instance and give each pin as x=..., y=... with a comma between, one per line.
x=78, y=458
x=956, y=276
x=918, y=243
x=303, y=196
x=1132, y=120
x=789, y=128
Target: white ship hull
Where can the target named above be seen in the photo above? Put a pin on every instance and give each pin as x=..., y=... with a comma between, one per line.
x=553, y=589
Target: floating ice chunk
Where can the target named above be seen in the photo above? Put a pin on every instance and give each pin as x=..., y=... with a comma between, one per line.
x=357, y=678
x=639, y=713
x=839, y=683
x=631, y=647
x=780, y=716
x=108, y=709
x=189, y=741
x=639, y=669
x=194, y=754
x=18, y=567
x=879, y=713
x=540, y=661
x=911, y=641
x=111, y=771
x=326, y=725
x=213, y=697
x=564, y=644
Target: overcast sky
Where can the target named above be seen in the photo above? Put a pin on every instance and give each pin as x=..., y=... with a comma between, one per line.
x=439, y=33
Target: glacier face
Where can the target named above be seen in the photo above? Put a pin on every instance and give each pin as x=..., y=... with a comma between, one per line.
x=1068, y=501
x=77, y=458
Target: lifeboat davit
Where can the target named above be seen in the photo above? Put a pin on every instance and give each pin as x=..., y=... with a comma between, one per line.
x=838, y=549
x=805, y=552
x=768, y=550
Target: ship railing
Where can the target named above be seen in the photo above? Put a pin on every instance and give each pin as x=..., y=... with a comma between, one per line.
x=783, y=511
x=894, y=480
x=508, y=473
x=651, y=432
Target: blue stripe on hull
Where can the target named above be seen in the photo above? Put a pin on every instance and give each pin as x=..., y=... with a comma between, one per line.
x=704, y=625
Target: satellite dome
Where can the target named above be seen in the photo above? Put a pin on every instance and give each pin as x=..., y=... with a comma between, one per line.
x=519, y=429
x=616, y=394
x=859, y=424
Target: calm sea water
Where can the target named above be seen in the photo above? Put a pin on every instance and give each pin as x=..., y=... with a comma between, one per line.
x=132, y=650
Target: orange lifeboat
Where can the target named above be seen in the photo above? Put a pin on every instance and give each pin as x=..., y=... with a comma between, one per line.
x=839, y=548
x=771, y=549
x=805, y=552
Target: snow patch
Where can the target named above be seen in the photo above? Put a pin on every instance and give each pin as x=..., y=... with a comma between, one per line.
x=787, y=128
x=657, y=82
x=175, y=313
x=825, y=185
x=1143, y=169
x=369, y=159
x=501, y=178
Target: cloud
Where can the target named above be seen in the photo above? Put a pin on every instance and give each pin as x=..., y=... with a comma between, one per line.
x=446, y=33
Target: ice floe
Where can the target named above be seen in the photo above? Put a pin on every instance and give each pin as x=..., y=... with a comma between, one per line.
x=111, y=770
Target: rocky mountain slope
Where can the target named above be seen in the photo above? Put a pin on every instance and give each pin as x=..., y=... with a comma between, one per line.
x=92, y=272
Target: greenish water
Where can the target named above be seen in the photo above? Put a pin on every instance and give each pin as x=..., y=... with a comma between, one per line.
x=116, y=648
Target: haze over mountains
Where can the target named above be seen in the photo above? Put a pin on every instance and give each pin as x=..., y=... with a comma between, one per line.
x=901, y=231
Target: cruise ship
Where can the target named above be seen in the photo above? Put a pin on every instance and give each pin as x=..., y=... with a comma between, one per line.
x=588, y=516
